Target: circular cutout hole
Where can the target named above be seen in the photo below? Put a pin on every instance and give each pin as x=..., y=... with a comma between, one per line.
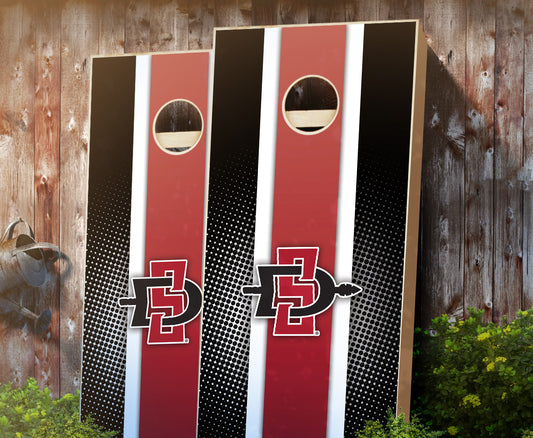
x=178, y=126
x=310, y=105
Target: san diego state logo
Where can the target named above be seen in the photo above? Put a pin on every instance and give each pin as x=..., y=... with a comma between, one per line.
x=295, y=290
x=164, y=302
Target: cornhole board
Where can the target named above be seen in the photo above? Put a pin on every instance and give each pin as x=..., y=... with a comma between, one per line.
x=145, y=221
x=302, y=185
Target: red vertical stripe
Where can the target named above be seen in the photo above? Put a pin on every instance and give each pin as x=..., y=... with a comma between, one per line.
x=305, y=214
x=174, y=230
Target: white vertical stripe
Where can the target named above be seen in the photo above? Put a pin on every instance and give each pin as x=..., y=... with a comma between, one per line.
x=263, y=225
x=137, y=226
x=345, y=227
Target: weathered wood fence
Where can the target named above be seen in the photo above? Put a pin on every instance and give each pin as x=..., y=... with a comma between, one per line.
x=477, y=206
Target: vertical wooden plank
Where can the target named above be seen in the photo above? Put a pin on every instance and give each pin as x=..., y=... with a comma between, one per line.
x=169, y=25
x=391, y=9
x=479, y=155
x=201, y=22
x=233, y=13
x=442, y=255
x=324, y=11
x=508, y=158
x=137, y=26
x=362, y=10
x=17, y=171
x=527, y=172
x=112, y=27
x=417, y=10
x=246, y=6
x=292, y=12
x=401, y=9
x=78, y=18
x=445, y=28
x=47, y=123
x=274, y=12
x=263, y=13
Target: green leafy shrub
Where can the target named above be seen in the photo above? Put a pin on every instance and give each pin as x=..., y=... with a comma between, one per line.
x=397, y=427
x=28, y=412
x=475, y=379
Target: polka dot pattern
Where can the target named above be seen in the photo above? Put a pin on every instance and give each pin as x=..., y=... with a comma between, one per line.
x=376, y=313
x=104, y=327
x=227, y=313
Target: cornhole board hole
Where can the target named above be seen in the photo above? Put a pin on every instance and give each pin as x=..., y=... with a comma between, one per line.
x=315, y=163
x=145, y=222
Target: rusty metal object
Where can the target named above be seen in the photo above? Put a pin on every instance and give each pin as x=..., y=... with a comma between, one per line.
x=24, y=263
x=40, y=322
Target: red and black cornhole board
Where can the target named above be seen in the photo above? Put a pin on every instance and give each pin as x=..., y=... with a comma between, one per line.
x=145, y=205
x=348, y=186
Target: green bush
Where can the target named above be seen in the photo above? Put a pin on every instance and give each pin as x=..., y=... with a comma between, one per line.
x=397, y=427
x=475, y=379
x=28, y=412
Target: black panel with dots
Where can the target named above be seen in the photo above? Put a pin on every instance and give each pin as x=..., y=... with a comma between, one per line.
x=226, y=323
x=381, y=205
x=230, y=234
x=108, y=241
x=376, y=313
x=104, y=331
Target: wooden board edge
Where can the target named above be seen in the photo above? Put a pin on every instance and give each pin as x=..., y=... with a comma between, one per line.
x=403, y=400
x=408, y=20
